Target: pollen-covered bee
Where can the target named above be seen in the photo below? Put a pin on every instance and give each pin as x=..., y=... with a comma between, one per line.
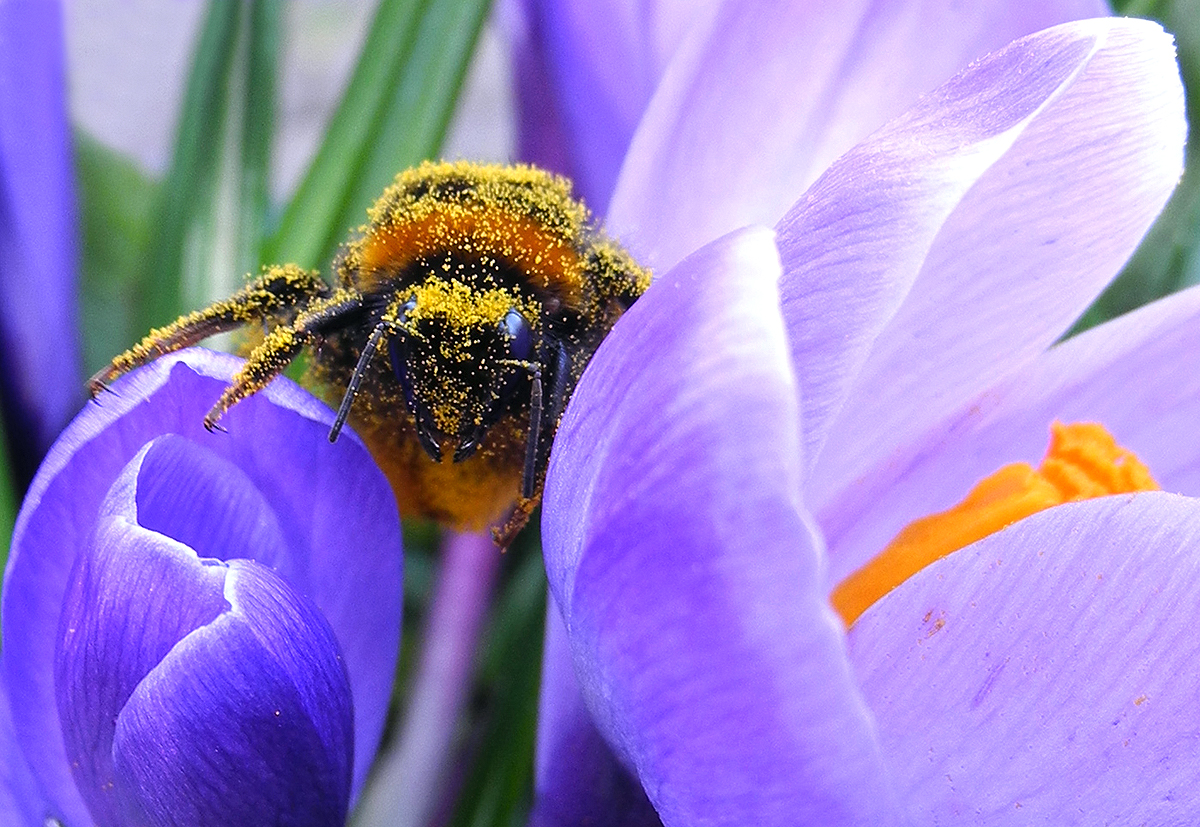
x=463, y=314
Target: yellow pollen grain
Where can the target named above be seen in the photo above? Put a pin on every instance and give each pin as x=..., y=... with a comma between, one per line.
x=463, y=306
x=1082, y=462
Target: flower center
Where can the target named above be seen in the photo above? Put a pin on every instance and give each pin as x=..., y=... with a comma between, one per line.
x=1083, y=461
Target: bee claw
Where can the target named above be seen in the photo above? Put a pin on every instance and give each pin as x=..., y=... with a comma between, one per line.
x=427, y=436
x=97, y=388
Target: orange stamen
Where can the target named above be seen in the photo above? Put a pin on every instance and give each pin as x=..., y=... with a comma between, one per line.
x=1082, y=462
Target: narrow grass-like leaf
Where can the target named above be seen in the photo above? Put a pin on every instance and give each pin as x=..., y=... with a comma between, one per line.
x=262, y=69
x=209, y=218
x=310, y=218
x=8, y=502
x=227, y=229
x=499, y=780
x=191, y=181
x=116, y=205
x=414, y=126
x=393, y=114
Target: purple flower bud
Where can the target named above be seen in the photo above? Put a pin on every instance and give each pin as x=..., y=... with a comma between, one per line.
x=202, y=628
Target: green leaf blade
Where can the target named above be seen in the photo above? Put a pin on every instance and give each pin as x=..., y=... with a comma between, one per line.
x=393, y=114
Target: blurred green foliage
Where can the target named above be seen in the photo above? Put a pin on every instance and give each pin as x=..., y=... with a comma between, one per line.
x=116, y=203
x=1167, y=260
x=207, y=223
x=154, y=250
x=393, y=115
x=8, y=505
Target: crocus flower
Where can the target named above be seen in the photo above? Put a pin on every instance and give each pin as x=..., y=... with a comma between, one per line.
x=816, y=387
x=587, y=70
x=199, y=628
x=40, y=381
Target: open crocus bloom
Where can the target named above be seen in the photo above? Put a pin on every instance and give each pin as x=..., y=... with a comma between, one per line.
x=199, y=627
x=780, y=404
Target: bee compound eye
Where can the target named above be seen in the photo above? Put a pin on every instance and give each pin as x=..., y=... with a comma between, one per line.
x=520, y=338
x=407, y=308
x=398, y=355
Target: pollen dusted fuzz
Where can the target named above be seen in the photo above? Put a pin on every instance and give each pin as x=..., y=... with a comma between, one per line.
x=463, y=315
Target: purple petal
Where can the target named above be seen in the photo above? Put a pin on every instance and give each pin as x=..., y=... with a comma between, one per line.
x=1085, y=124
x=1048, y=671
x=747, y=117
x=578, y=780
x=1137, y=375
x=249, y=720
x=133, y=596
x=690, y=583
x=39, y=345
x=541, y=135
x=334, y=508
x=205, y=502
x=21, y=802
x=585, y=71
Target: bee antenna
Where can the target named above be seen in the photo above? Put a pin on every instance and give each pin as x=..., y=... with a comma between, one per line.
x=356, y=378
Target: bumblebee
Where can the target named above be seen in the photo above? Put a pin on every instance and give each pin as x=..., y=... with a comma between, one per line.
x=462, y=317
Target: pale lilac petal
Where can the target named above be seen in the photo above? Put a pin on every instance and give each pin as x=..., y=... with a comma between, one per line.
x=1047, y=674
x=1036, y=238
x=40, y=364
x=333, y=506
x=854, y=245
x=748, y=116
x=577, y=779
x=585, y=71
x=1138, y=375
x=673, y=497
x=541, y=135
x=248, y=718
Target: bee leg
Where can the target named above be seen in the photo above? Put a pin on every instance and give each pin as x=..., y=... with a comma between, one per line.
x=364, y=359
x=531, y=493
x=529, y=474
x=277, y=289
x=503, y=535
x=282, y=345
x=542, y=408
x=561, y=387
x=384, y=328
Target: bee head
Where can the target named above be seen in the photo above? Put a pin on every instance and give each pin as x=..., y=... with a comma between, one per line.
x=462, y=356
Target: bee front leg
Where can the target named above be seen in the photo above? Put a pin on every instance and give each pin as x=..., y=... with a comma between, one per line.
x=282, y=345
x=272, y=293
